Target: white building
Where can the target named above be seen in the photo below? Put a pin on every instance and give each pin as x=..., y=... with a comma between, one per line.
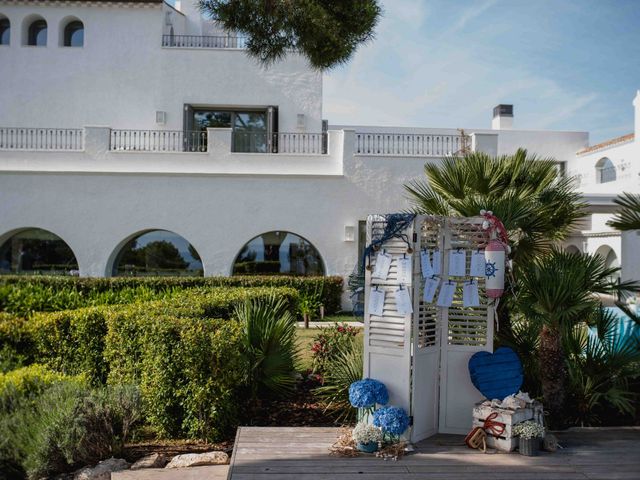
x=122, y=118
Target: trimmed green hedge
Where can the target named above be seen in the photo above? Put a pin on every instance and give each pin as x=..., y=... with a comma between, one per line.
x=73, y=341
x=16, y=342
x=26, y=294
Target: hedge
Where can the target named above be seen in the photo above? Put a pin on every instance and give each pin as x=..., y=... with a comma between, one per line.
x=16, y=342
x=73, y=341
x=26, y=294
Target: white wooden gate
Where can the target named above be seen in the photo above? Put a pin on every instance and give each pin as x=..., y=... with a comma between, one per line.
x=422, y=358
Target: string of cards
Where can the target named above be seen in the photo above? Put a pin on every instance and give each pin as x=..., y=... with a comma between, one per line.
x=430, y=263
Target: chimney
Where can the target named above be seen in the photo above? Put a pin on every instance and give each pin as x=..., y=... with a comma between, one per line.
x=636, y=104
x=502, y=117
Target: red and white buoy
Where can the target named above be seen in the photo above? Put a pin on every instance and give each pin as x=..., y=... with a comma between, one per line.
x=495, y=263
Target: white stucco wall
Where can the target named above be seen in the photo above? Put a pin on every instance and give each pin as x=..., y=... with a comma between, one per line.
x=123, y=75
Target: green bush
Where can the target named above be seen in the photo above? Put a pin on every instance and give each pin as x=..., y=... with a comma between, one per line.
x=26, y=294
x=268, y=346
x=187, y=369
x=330, y=342
x=65, y=427
x=16, y=343
x=73, y=341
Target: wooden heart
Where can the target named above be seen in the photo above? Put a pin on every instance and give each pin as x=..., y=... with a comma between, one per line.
x=498, y=374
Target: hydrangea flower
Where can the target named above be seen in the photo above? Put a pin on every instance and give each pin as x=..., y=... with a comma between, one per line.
x=366, y=393
x=393, y=420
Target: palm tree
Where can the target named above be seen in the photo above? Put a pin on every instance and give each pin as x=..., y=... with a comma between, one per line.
x=628, y=217
x=557, y=291
x=537, y=205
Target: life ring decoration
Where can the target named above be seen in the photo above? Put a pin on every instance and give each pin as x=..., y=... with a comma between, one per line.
x=495, y=254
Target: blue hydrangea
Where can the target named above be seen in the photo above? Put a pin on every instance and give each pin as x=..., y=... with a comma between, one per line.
x=393, y=420
x=367, y=393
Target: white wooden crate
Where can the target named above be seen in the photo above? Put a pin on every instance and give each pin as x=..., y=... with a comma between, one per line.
x=506, y=442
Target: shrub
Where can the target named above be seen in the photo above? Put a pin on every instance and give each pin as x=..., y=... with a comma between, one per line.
x=268, y=345
x=328, y=342
x=73, y=341
x=27, y=383
x=16, y=343
x=25, y=294
x=345, y=368
x=187, y=369
x=65, y=427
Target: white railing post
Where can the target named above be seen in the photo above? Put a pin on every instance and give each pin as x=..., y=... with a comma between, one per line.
x=219, y=141
x=96, y=140
x=485, y=143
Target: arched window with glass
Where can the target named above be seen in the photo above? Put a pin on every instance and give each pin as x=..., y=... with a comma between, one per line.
x=5, y=30
x=34, y=250
x=37, y=34
x=278, y=252
x=73, y=34
x=156, y=253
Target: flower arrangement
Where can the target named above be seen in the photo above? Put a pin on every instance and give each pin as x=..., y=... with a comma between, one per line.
x=392, y=420
x=365, y=433
x=367, y=393
x=528, y=430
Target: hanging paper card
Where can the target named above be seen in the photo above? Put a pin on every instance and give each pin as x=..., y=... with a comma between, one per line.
x=383, y=262
x=478, y=264
x=447, y=291
x=425, y=264
x=430, y=287
x=403, y=302
x=436, y=261
x=470, y=296
x=404, y=270
x=376, y=302
x=457, y=263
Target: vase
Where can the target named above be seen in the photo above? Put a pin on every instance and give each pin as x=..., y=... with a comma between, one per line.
x=367, y=447
x=529, y=446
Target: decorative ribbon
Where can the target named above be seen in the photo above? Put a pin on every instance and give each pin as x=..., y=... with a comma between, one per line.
x=495, y=428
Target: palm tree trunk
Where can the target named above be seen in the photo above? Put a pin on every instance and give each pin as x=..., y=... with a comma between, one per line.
x=553, y=374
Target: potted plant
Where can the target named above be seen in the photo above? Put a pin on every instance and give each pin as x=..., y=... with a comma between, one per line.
x=529, y=434
x=366, y=437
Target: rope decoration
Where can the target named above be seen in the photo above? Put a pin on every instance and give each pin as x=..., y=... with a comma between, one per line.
x=395, y=224
x=491, y=426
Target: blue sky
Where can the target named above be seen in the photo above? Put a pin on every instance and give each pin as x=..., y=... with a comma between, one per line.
x=564, y=64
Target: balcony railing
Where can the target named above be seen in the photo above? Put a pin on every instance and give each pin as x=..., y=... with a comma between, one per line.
x=158, y=141
x=280, y=142
x=19, y=138
x=409, y=145
x=199, y=41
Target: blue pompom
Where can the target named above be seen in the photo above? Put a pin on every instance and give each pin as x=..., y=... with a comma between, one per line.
x=393, y=420
x=367, y=393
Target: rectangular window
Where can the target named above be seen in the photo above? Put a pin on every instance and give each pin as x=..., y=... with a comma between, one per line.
x=252, y=129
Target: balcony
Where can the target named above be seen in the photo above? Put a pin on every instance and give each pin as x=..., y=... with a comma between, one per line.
x=45, y=139
x=229, y=42
x=409, y=144
x=216, y=151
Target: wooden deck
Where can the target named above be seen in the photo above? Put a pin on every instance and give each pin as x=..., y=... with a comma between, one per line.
x=266, y=453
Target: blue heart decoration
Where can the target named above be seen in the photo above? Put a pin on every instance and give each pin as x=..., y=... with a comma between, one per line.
x=498, y=374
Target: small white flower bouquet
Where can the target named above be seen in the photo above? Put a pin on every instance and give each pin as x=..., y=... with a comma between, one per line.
x=366, y=433
x=528, y=430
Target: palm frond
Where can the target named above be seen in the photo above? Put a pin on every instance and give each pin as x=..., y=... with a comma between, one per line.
x=628, y=217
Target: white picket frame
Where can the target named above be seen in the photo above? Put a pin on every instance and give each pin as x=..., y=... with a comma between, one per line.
x=422, y=358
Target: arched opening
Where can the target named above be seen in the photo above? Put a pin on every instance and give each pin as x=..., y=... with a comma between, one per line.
x=34, y=250
x=610, y=259
x=5, y=30
x=72, y=33
x=35, y=34
x=605, y=171
x=157, y=252
x=278, y=252
x=572, y=249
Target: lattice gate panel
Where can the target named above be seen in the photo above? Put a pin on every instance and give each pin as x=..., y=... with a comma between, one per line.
x=465, y=331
